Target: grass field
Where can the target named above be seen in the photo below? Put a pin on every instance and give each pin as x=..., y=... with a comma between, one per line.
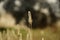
x=46, y=34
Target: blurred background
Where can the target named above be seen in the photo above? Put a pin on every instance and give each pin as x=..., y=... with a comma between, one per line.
x=11, y=31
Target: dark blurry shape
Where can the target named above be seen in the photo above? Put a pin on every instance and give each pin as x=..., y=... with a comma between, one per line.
x=39, y=19
x=19, y=14
x=3, y=29
x=1, y=0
